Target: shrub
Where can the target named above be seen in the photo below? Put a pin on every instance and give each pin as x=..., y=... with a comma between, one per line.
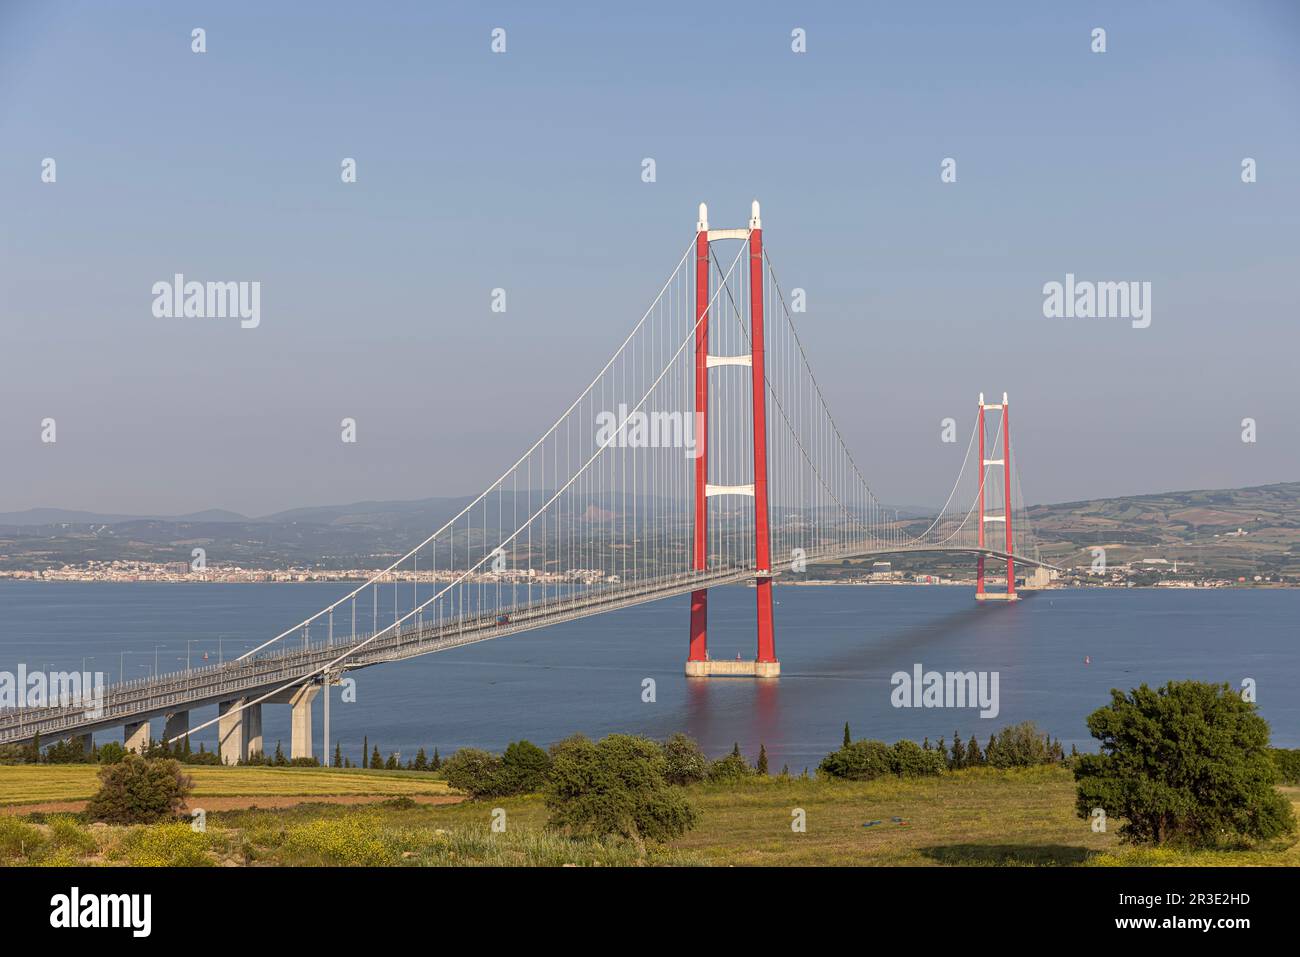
x=111, y=753
x=57, y=857
x=18, y=838
x=1287, y=763
x=1020, y=746
x=138, y=790
x=616, y=786
x=70, y=751
x=521, y=770
x=473, y=771
x=202, y=758
x=524, y=767
x=908, y=759
x=166, y=845
x=12, y=754
x=1187, y=763
x=729, y=770
x=354, y=840
x=686, y=763
x=858, y=761
x=67, y=832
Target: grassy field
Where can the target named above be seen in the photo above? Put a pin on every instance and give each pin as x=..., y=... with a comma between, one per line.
x=973, y=817
x=40, y=783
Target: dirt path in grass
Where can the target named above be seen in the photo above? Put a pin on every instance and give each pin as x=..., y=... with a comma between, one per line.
x=244, y=802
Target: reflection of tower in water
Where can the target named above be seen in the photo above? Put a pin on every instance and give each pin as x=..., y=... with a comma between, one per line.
x=720, y=712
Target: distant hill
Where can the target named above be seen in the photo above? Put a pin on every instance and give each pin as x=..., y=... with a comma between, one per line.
x=67, y=516
x=1199, y=527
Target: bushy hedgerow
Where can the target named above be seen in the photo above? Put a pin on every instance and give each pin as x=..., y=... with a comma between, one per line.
x=858, y=761
x=522, y=769
x=908, y=759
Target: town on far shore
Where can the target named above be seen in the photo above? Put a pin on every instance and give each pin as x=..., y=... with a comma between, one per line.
x=1138, y=573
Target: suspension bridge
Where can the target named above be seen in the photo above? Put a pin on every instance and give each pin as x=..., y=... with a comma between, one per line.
x=702, y=454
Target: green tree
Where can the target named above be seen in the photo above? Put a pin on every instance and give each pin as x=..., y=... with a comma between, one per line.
x=729, y=769
x=421, y=760
x=1187, y=763
x=338, y=755
x=859, y=761
x=111, y=752
x=616, y=786
x=908, y=759
x=436, y=763
x=958, y=753
x=474, y=771
x=848, y=738
x=761, y=766
x=138, y=790
x=1288, y=764
x=686, y=762
x=391, y=764
x=973, y=756
x=524, y=767
x=70, y=751
x=376, y=762
x=1020, y=746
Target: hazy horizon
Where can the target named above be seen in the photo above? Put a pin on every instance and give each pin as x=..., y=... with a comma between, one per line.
x=190, y=515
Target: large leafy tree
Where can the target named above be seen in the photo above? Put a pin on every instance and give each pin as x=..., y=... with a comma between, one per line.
x=1186, y=763
x=616, y=786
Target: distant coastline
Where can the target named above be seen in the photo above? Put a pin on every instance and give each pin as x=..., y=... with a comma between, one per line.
x=132, y=573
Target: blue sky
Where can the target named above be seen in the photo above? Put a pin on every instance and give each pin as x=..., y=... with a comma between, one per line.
x=523, y=171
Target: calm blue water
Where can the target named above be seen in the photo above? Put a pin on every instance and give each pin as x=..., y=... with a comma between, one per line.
x=838, y=648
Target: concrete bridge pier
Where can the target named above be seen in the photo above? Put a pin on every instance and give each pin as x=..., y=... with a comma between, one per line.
x=253, y=730
x=238, y=732
x=300, y=700
x=175, y=724
x=135, y=736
